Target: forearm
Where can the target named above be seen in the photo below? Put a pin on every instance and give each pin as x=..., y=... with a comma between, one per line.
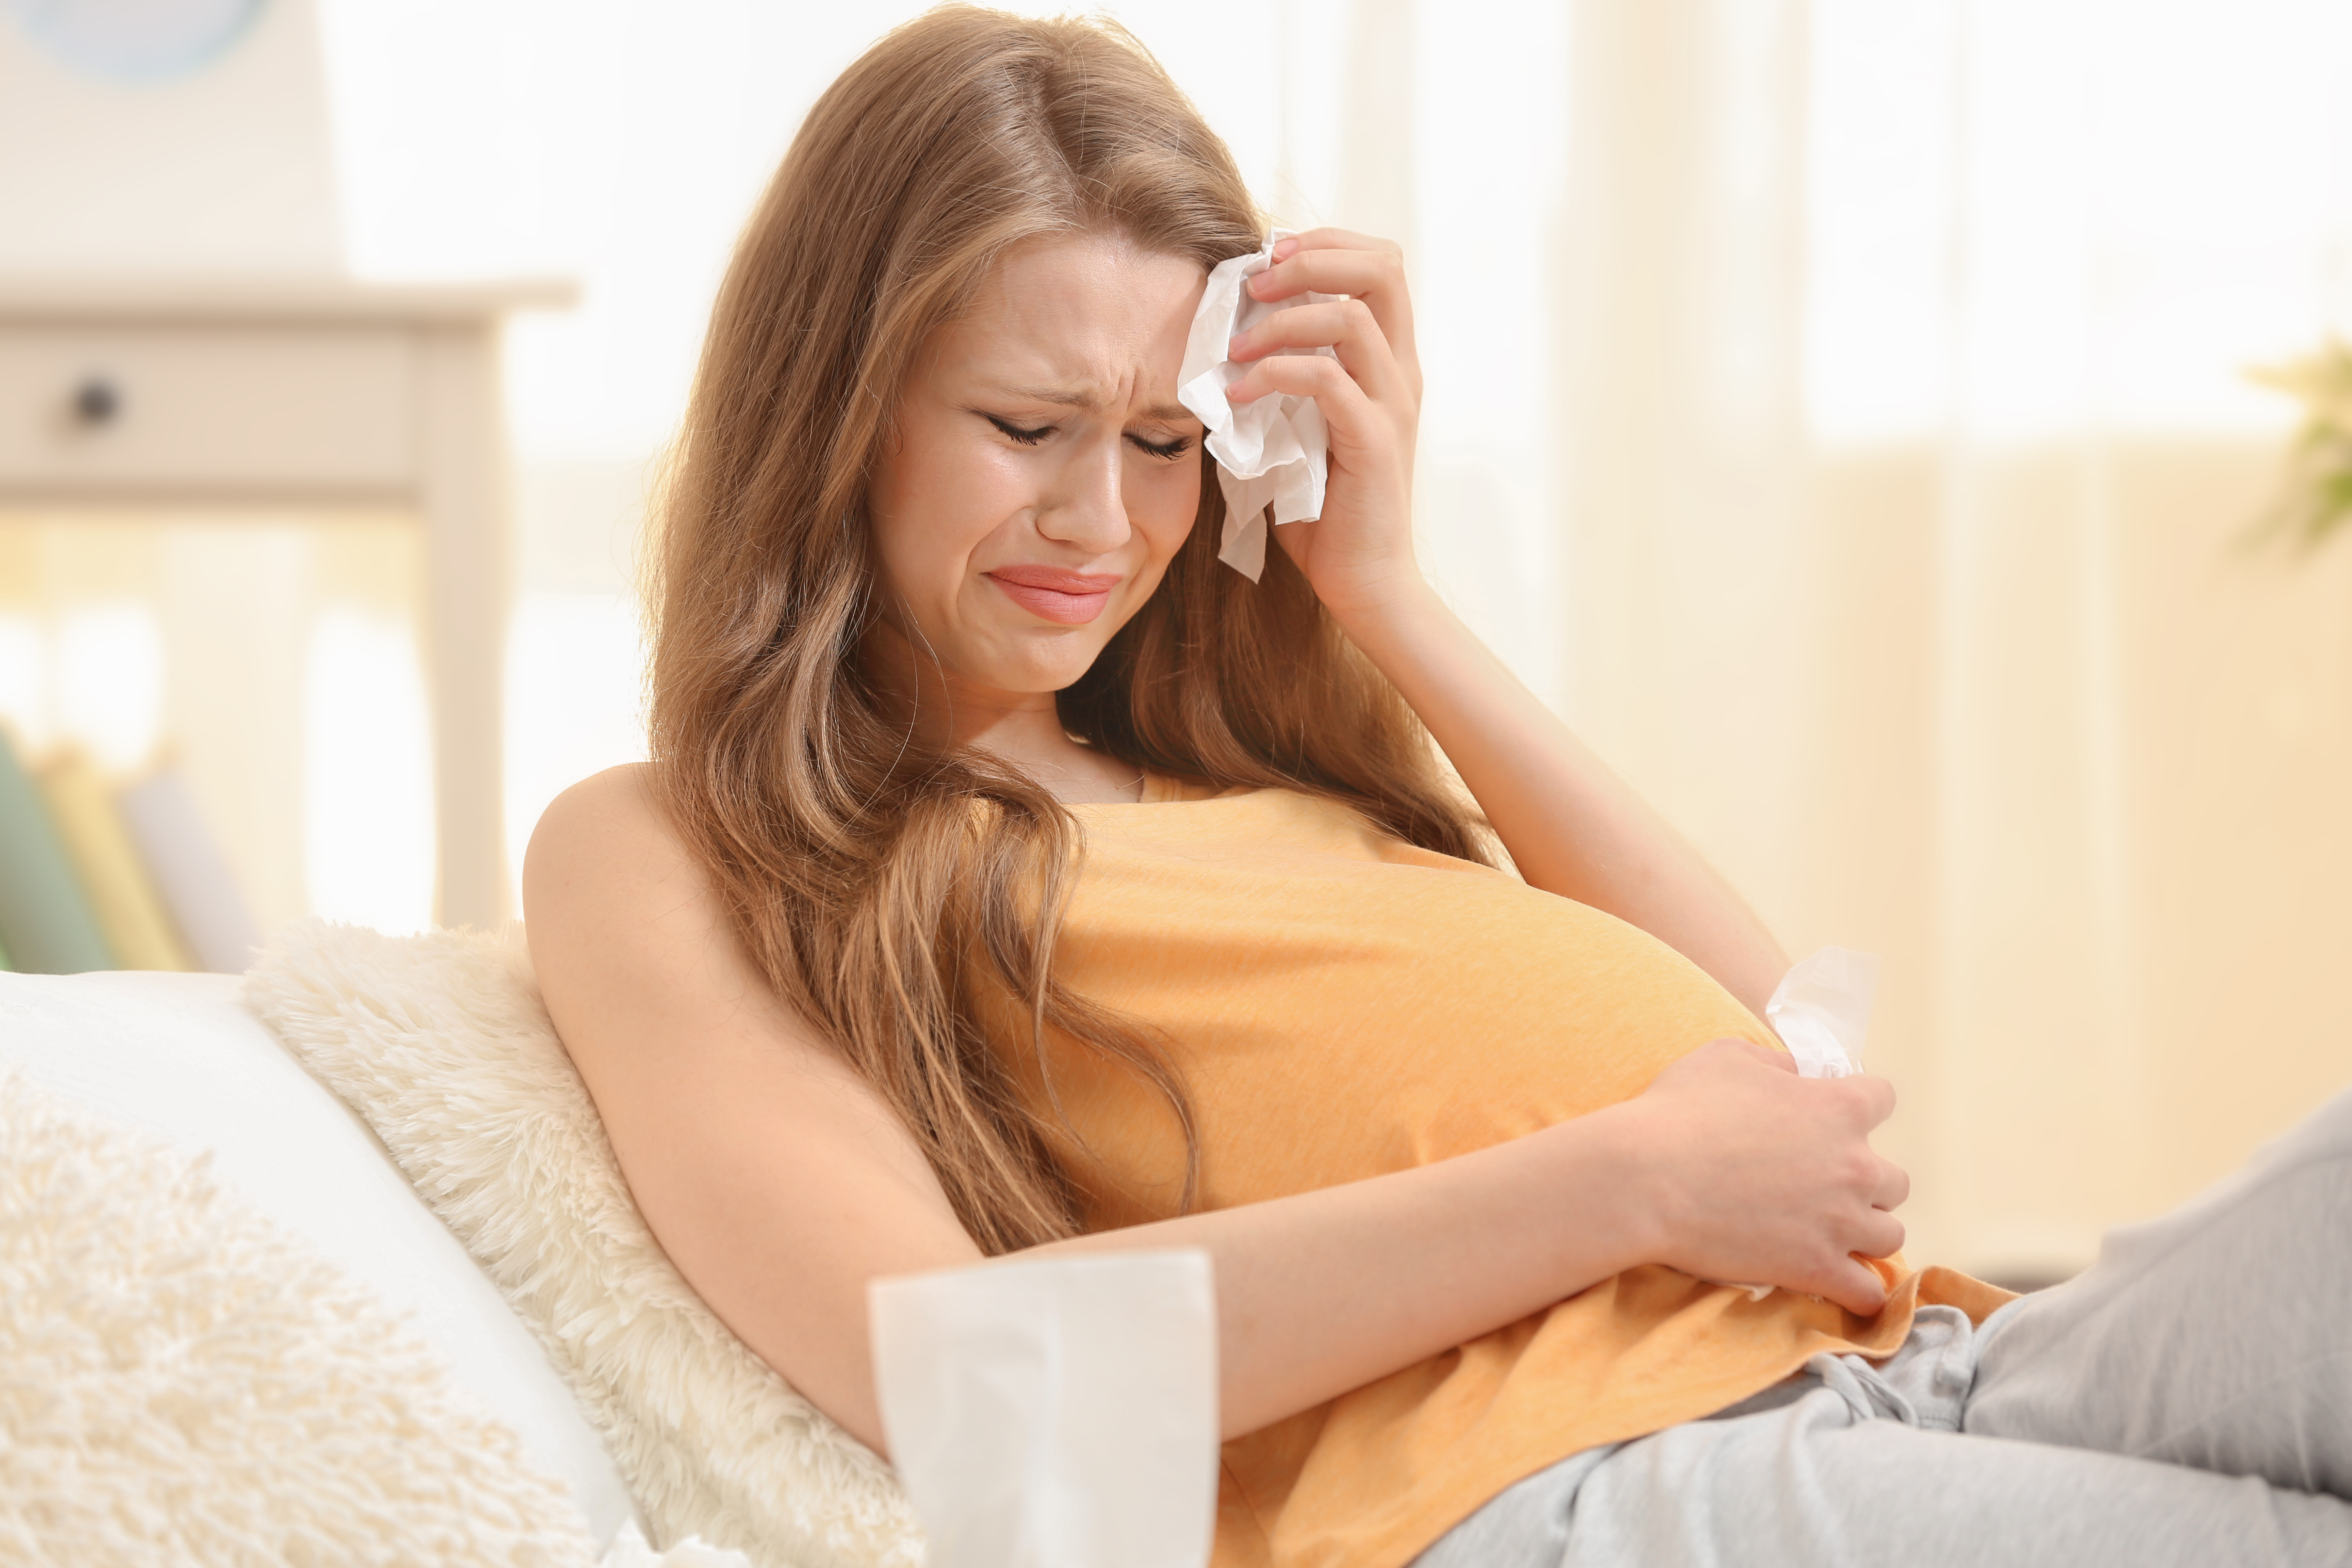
x=1572, y=826
x=1325, y=1291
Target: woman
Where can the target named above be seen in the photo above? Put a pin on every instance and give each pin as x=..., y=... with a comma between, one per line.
x=1011, y=875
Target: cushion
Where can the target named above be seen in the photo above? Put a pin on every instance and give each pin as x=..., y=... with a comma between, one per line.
x=441, y=1043
x=181, y=1056
x=182, y=1381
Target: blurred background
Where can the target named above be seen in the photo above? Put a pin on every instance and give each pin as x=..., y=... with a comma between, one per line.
x=1838, y=409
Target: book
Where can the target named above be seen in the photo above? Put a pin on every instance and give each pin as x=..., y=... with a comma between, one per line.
x=190, y=873
x=128, y=912
x=46, y=920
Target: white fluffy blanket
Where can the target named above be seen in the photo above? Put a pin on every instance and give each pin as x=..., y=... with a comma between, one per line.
x=440, y=1042
x=182, y=1383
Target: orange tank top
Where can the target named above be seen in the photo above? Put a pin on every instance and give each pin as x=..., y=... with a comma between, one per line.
x=1342, y=1004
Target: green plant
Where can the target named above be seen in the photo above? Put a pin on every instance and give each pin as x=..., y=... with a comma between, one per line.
x=2315, y=498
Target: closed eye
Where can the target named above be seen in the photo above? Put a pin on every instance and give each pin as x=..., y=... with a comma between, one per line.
x=1172, y=450
x=1026, y=437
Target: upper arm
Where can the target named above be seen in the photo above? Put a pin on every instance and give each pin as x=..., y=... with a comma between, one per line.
x=776, y=1180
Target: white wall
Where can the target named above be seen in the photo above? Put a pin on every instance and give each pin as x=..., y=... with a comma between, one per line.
x=226, y=169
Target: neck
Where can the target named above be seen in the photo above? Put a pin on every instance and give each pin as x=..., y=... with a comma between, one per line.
x=947, y=712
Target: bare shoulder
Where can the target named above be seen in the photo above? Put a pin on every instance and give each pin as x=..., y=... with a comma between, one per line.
x=607, y=816
x=623, y=792
x=606, y=859
x=624, y=926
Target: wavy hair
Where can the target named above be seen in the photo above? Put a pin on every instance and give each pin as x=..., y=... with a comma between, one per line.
x=880, y=888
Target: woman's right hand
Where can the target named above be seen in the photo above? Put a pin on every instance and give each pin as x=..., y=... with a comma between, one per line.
x=1753, y=1173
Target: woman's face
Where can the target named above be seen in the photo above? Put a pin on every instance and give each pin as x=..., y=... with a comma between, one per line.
x=1042, y=472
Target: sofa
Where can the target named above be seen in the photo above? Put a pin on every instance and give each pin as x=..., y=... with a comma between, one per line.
x=396, y=1114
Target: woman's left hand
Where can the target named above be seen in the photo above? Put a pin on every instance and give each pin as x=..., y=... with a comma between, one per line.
x=1358, y=554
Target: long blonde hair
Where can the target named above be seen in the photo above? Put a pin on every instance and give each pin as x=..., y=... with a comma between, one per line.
x=876, y=886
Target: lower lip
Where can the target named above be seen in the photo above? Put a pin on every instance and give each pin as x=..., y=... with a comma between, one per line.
x=1053, y=604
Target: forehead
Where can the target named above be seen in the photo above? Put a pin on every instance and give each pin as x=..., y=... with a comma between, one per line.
x=1077, y=309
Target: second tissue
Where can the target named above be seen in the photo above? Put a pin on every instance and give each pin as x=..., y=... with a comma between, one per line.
x=1055, y=1413
x=1821, y=1010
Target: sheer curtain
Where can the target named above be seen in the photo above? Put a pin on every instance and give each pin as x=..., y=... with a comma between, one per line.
x=1834, y=409
x=1907, y=457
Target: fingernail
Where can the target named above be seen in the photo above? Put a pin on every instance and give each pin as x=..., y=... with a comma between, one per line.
x=1235, y=344
x=1283, y=247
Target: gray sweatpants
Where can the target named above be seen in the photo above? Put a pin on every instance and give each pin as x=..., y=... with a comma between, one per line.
x=2187, y=1401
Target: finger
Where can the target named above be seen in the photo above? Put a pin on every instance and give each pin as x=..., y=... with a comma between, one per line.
x=1326, y=381
x=1359, y=431
x=1875, y=1096
x=1362, y=437
x=1333, y=240
x=1361, y=272
x=1856, y=1287
x=1345, y=326
x=1877, y=1235
x=1371, y=270
x=1894, y=1186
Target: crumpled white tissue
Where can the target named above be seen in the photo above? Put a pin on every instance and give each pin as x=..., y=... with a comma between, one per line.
x=629, y=1551
x=1821, y=1010
x=1270, y=453
x=1056, y=1413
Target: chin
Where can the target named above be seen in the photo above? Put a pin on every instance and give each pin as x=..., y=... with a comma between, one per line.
x=1045, y=681
x=1051, y=667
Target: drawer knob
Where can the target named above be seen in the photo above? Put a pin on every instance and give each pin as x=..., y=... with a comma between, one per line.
x=97, y=402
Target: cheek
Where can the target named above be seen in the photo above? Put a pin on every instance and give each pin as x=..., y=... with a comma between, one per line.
x=1163, y=502
x=931, y=503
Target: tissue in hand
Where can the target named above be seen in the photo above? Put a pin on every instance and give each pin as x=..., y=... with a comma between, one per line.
x=1060, y=1413
x=1270, y=452
x=1822, y=1011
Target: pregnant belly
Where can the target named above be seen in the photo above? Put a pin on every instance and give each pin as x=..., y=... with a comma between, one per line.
x=1402, y=1018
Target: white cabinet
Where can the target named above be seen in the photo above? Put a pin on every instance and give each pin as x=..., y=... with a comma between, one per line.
x=176, y=410
x=300, y=392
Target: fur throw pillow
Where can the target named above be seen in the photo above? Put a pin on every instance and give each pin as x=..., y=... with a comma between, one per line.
x=441, y=1043
x=181, y=1381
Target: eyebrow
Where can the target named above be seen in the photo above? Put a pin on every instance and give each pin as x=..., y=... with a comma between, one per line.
x=1067, y=397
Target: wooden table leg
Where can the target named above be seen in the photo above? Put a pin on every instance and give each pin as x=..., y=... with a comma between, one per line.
x=470, y=572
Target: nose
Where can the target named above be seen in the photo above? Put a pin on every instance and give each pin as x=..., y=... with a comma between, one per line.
x=1086, y=508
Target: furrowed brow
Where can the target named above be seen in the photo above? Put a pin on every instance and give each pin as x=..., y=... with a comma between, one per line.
x=1067, y=397
x=1070, y=397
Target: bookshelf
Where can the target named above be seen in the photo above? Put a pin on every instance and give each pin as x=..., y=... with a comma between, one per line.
x=300, y=394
